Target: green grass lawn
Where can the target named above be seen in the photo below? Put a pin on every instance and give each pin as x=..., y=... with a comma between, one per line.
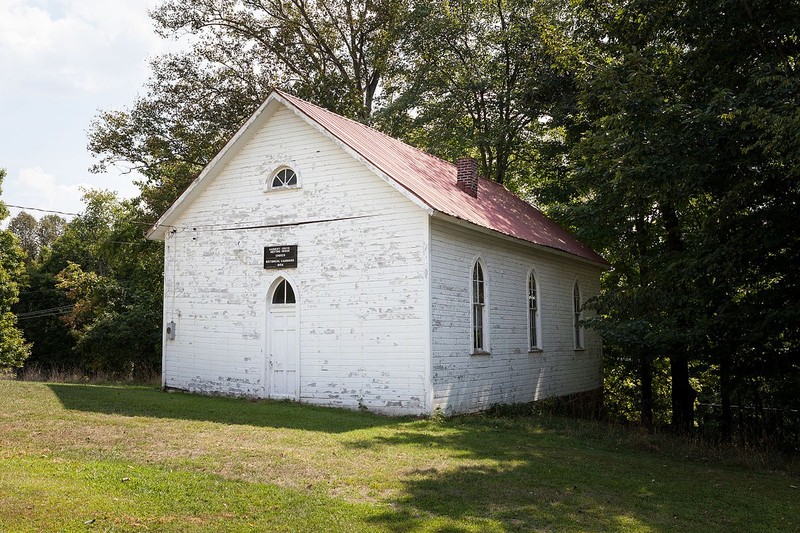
x=118, y=458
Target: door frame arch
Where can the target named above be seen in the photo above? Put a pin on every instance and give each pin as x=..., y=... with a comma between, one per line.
x=267, y=303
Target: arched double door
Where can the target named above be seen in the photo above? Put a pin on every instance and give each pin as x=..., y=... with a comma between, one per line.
x=282, y=356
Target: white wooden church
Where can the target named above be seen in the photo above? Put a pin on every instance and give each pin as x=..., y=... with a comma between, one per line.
x=319, y=260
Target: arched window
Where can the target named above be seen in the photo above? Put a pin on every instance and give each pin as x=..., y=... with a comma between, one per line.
x=284, y=293
x=534, y=337
x=479, y=318
x=578, y=316
x=284, y=178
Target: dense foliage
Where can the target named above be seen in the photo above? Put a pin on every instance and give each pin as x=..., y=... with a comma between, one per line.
x=666, y=134
x=94, y=295
x=684, y=170
x=478, y=77
x=13, y=349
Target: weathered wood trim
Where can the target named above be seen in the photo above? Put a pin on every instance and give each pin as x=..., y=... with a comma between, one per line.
x=519, y=242
x=356, y=155
x=428, y=362
x=231, y=148
x=539, y=333
x=486, y=319
x=164, y=314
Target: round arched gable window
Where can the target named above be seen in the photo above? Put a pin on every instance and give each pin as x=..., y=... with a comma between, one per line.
x=283, y=178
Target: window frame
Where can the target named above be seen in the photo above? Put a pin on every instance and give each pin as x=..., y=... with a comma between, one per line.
x=535, y=321
x=479, y=345
x=269, y=187
x=282, y=286
x=577, y=316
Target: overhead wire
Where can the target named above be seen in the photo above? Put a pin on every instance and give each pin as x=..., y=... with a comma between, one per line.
x=42, y=210
x=205, y=227
x=39, y=313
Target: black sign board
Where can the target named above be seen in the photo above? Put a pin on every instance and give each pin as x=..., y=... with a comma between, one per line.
x=280, y=256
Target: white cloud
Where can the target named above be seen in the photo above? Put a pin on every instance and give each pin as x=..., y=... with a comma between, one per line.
x=34, y=187
x=74, y=45
x=62, y=61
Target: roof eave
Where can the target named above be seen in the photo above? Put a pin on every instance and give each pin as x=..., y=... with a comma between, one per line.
x=604, y=265
x=355, y=154
x=223, y=157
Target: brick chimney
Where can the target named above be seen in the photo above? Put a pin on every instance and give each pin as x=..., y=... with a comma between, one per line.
x=467, y=175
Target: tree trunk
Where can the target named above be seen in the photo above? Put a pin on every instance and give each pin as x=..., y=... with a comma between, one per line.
x=682, y=394
x=646, y=383
x=645, y=366
x=725, y=394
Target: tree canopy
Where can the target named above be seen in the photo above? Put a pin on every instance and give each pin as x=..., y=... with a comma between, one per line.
x=94, y=296
x=684, y=170
x=336, y=53
x=13, y=348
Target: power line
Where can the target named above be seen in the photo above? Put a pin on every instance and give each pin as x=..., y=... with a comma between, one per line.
x=28, y=208
x=207, y=227
x=53, y=311
x=43, y=210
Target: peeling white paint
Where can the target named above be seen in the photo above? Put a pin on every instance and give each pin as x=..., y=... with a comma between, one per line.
x=510, y=374
x=382, y=290
x=216, y=287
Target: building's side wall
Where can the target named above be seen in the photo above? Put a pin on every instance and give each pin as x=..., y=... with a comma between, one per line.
x=361, y=281
x=465, y=382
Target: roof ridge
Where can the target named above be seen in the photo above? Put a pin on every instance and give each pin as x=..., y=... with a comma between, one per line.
x=361, y=124
x=431, y=180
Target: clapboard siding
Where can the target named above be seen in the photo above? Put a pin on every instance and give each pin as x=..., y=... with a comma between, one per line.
x=510, y=374
x=361, y=281
x=383, y=288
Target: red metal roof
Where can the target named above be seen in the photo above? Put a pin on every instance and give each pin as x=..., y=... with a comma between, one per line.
x=433, y=181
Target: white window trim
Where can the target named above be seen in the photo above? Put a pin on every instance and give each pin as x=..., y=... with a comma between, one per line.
x=288, y=286
x=537, y=348
x=577, y=315
x=486, y=348
x=283, y=166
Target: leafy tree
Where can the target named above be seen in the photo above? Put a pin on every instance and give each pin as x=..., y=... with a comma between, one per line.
x=116, y=332
x=101, y=279
x=13, y=349
x=117, y=290
x=41, y=306
x=48, y=229
x=480, y=77
x=44, y=305
x=24, y=227
x=35, y=235
x=475, y=77
x=186, y=116
x=334, y=53
x=684, y=145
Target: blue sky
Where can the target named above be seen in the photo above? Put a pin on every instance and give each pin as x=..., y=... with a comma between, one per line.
x=62, y=61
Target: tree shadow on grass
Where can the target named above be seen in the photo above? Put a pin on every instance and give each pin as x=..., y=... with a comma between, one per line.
x=149, y=402
x=507, y=479
x=504, y=499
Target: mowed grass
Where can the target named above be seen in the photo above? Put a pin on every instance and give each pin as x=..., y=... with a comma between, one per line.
x=119, y=458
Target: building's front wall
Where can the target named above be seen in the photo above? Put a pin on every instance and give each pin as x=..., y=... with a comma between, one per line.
x=509, y=373
x=361, y=280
